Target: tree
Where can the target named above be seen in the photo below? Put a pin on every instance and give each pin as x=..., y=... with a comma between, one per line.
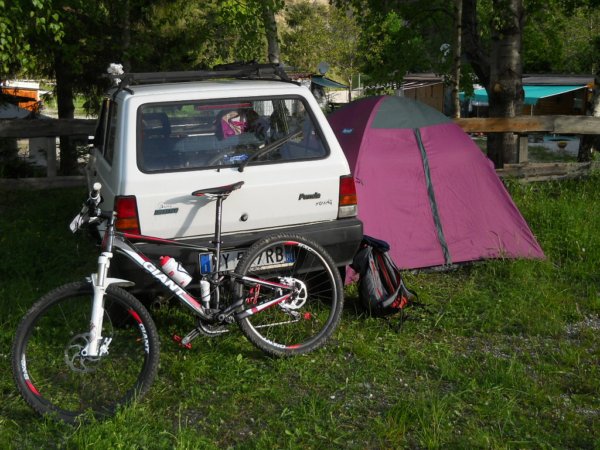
x=588, y=143
x=314, y=32
x=343, y=43
x=305, y=35
x=401, y=36
x=269, y=8
x=456, y=57
x=18, y=19
x=73, y=41
x=64, y=56
x=501, y=72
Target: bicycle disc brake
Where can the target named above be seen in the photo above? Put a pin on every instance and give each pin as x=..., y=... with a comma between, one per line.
x=298, y=299
x=76, y=360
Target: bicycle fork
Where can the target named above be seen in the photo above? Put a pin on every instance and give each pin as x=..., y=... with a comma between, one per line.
x=98, y=345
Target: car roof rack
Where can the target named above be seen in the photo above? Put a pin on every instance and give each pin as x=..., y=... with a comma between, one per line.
x=253, y=71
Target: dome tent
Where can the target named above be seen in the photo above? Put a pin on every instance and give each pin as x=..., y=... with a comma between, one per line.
x=425, y=187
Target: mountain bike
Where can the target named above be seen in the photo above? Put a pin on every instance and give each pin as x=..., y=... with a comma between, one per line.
x=89, y=347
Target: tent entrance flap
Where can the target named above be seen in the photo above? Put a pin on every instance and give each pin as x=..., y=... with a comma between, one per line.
x=432, y=202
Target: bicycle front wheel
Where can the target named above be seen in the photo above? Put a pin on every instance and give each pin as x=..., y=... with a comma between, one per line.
x=302, y=322
x=49, y=367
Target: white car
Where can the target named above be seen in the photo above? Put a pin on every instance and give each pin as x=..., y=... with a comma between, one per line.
x=162, y=136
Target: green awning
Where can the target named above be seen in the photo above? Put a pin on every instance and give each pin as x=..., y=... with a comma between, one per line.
x=533, y=93
x=326, y=82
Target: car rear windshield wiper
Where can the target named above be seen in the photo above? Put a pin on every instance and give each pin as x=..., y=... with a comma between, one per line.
x=268, y=148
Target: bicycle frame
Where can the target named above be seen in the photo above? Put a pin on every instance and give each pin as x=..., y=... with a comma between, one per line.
x=122, y=243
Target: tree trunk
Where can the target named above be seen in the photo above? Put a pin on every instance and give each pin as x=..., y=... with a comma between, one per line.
x=66, y=110
x=505, y=88
x=271, y=32
x=590, y=143
x=349, y=81
x=472, y=46
x=126, y=25
x=501, y=73
x=456, y=57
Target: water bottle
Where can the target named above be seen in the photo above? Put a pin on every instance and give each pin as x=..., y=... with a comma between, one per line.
x=205, y=293
x=175, y=270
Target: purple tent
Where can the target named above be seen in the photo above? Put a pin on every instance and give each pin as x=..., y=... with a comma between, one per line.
x=425, y=187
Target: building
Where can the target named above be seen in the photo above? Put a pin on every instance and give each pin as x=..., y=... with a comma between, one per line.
x=544, y=95
x=24, y=94
x=427, y=88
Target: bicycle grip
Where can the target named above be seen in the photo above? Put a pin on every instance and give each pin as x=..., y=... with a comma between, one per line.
x=95, y=197
x=95, y=190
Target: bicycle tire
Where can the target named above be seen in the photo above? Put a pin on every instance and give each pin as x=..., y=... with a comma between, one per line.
x=298, y=325
x=47, y=365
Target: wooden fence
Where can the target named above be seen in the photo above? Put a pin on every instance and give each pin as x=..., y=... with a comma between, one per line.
x=36, y=128
x=523, y=126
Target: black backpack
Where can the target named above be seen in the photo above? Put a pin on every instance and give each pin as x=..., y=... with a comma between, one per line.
x=380, y=286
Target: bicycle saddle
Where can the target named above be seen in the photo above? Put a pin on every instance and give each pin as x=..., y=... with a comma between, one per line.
x=221, y=190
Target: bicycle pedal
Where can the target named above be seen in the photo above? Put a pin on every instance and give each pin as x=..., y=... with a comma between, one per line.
x=178, y=339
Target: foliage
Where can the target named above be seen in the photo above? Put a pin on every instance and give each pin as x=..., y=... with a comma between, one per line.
x=18, y=21
x=146, y=36
x=501, y=354
x=411, y=36
x=156, y=35
x=559, y=38
x=200, y=35
x=344, y=41
x=400, y=37
x=313, y=33
x=305, y=36
x=386, y=65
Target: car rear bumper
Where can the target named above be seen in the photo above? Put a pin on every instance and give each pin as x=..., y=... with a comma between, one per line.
x=340, y=238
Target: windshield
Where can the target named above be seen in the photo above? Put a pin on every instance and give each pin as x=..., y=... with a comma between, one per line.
x=203, y=134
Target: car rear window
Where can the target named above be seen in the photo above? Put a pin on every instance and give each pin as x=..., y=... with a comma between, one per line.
x=106, y=129
x=206, y=134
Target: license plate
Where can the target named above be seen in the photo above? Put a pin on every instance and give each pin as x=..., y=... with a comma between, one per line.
x=278, y=256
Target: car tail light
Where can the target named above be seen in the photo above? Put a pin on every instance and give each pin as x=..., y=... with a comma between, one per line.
x=127, y=214
x=348, y=202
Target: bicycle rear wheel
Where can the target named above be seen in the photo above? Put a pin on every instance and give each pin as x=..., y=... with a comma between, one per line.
x=52, y=375
x=298, y=324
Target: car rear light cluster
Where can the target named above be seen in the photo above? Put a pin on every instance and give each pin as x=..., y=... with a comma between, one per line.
x=348, y=201
x=127, y=214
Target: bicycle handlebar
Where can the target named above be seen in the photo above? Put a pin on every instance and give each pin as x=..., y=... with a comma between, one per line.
x=95, y=194
x=94, y=199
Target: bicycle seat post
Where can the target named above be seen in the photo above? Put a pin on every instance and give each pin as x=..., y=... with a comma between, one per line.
x=217, y=237
x=219, y=194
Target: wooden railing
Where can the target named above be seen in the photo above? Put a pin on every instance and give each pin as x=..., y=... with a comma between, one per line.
x=525, y=125
x=35, y=128
x=522, y=126
x=25, y=128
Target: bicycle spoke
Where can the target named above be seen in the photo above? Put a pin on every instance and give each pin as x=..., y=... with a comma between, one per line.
x=303, y=320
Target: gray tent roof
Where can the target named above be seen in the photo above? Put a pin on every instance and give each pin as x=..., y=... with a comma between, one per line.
x=402, y=112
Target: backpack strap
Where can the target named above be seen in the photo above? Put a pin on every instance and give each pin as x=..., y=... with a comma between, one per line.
x=389, y=270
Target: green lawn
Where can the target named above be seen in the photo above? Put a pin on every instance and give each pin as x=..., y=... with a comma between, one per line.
x=503, y=354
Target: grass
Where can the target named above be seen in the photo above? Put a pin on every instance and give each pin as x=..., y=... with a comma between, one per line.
x=503, y=354
x=539, y=153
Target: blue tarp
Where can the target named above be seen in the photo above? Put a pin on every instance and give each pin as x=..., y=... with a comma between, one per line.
x=327, y=82
x=532, y=93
